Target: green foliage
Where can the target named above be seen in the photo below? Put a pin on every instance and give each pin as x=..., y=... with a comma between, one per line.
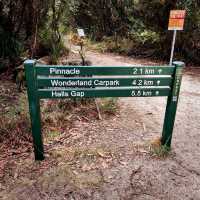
x=143, y=23
x=10, y=47
x=145, y=36
x=15, y=123
x=56, y=50
x=51, y=34
x=23, y=20
x=109, y=105
x=160, y=151
x=52, y=135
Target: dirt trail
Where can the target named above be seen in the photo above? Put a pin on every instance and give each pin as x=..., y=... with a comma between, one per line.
x=114, y=162
x=177, y=177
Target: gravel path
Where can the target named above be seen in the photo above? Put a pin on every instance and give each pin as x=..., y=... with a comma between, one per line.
x=112, y=160
x=140, y=120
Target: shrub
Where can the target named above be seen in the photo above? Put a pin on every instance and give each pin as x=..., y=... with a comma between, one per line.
x=56, y=49
x=10, y=47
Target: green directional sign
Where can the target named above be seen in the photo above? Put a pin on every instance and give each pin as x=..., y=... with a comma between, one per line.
x=103, y=82
x=121, y=92
x=57, y=82
x=106, y=71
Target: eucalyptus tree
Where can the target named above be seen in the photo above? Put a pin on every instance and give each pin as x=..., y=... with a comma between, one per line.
x=19, y=22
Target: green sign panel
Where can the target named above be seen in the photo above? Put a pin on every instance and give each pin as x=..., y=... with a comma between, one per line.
x=81, y=93
x=103, y=82
x=103, y=71
x=47, y=82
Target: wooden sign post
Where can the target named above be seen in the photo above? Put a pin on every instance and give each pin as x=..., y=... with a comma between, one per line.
x=176, y=23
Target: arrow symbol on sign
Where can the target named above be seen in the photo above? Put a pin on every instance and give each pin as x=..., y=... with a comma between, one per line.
x=158, y=82
x=157, y=93
x=160, y=71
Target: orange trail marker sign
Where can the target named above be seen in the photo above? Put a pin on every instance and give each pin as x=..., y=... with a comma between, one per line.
x=176, y=20
x=176, y=23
